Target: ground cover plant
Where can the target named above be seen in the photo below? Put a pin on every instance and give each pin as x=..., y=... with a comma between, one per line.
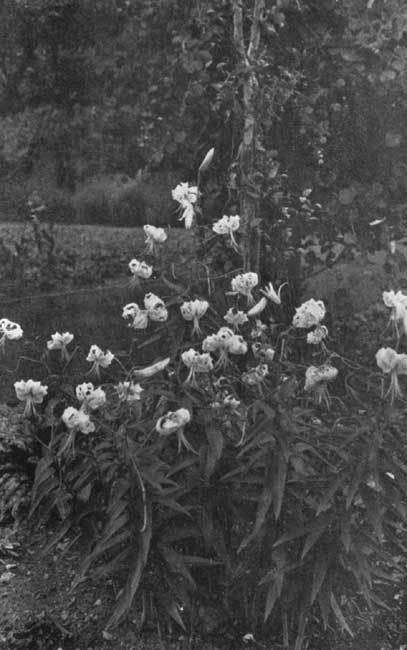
x=226, y=459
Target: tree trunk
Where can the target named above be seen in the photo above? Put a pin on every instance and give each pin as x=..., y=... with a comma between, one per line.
x=247, y=151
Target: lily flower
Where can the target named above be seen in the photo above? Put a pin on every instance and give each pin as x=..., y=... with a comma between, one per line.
x=154, y=236
x=309, y=314
x=255, y=376
x=9, y=331
x=197, y=363
x=395, y=364
x=77, y=420
x=243, y=284
x=228, y=226
x=258, y=330
x=31, y=392
x=156, y=310
x=186, y=195
x=317, y=335
x=317, y=379
x=225, y=341
x=139, y=271
x=235, y=318
x=397, y=302
x=128, y=391
x=138, y=317
x=174, y=422
x=59, y=341
x=92, y=398
x=193, y=311
x=271, y=294
x=263, y=351
x=99, y=359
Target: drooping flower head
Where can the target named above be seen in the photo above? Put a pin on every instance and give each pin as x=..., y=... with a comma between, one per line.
x=9, y=331
x=186, y=195
x=138, y=317
x=317, y=379
x=309, y=314
x=228, y=226
x=224, y=342
x=60, y=341
x=129, y=391
x=194, y=310
x=139, y=271
x=154, y=237
x=317, y=335
x=31, y=392
x=99, y=359
x=243, y=284
x=91, y=398
x=235, y=318
x=77, y=420
x=395, y=364
x=256, y=376
x=263, y=351
x=174, y=422
x=397, y=302
x=197, y=363
x=155, y=307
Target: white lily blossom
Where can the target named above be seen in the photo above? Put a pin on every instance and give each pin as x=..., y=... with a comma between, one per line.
x=60, y=341
x=395, y=364
x=228, y=226
x=224, y=342
x=129, y=391
x=194, y=310
x=99, y=359
x=92, y=398
x=197, y=363
x=9, y=331
x=76, y=420
x=255, y=376
x=174, y=422
x=154, y=236
x=397, y=302
x=140, y=269
x=317, y=335
x=31, y=392
x=155, y=307
x=243, y=284
x=317, y=379
x=309, y=314
x=235, y=318
x=186, y=195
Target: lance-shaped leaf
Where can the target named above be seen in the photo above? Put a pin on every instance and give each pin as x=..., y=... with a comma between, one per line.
x=339, y=614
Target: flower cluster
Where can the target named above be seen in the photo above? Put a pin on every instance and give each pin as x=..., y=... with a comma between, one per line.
x=394, y=364
x=228, y=226
x=224, y=342
x=154, y=237
x=60, y=341
x=243, y=284
x=397, y=302
x=197, y=363
x=193, y=311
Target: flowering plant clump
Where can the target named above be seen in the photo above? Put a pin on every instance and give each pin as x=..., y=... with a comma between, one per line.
x=189, y=459
x=186, y=195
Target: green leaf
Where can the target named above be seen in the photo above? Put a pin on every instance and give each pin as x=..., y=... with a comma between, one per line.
x=339, y=614
x=264, y=504
x=320, y=569
x=315, y=533
x=278, y=484
x=273, y=593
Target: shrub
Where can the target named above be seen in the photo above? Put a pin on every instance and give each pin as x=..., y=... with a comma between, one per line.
x=217, y=469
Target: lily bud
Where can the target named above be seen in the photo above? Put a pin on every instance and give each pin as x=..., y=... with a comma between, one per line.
x=207, y=160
